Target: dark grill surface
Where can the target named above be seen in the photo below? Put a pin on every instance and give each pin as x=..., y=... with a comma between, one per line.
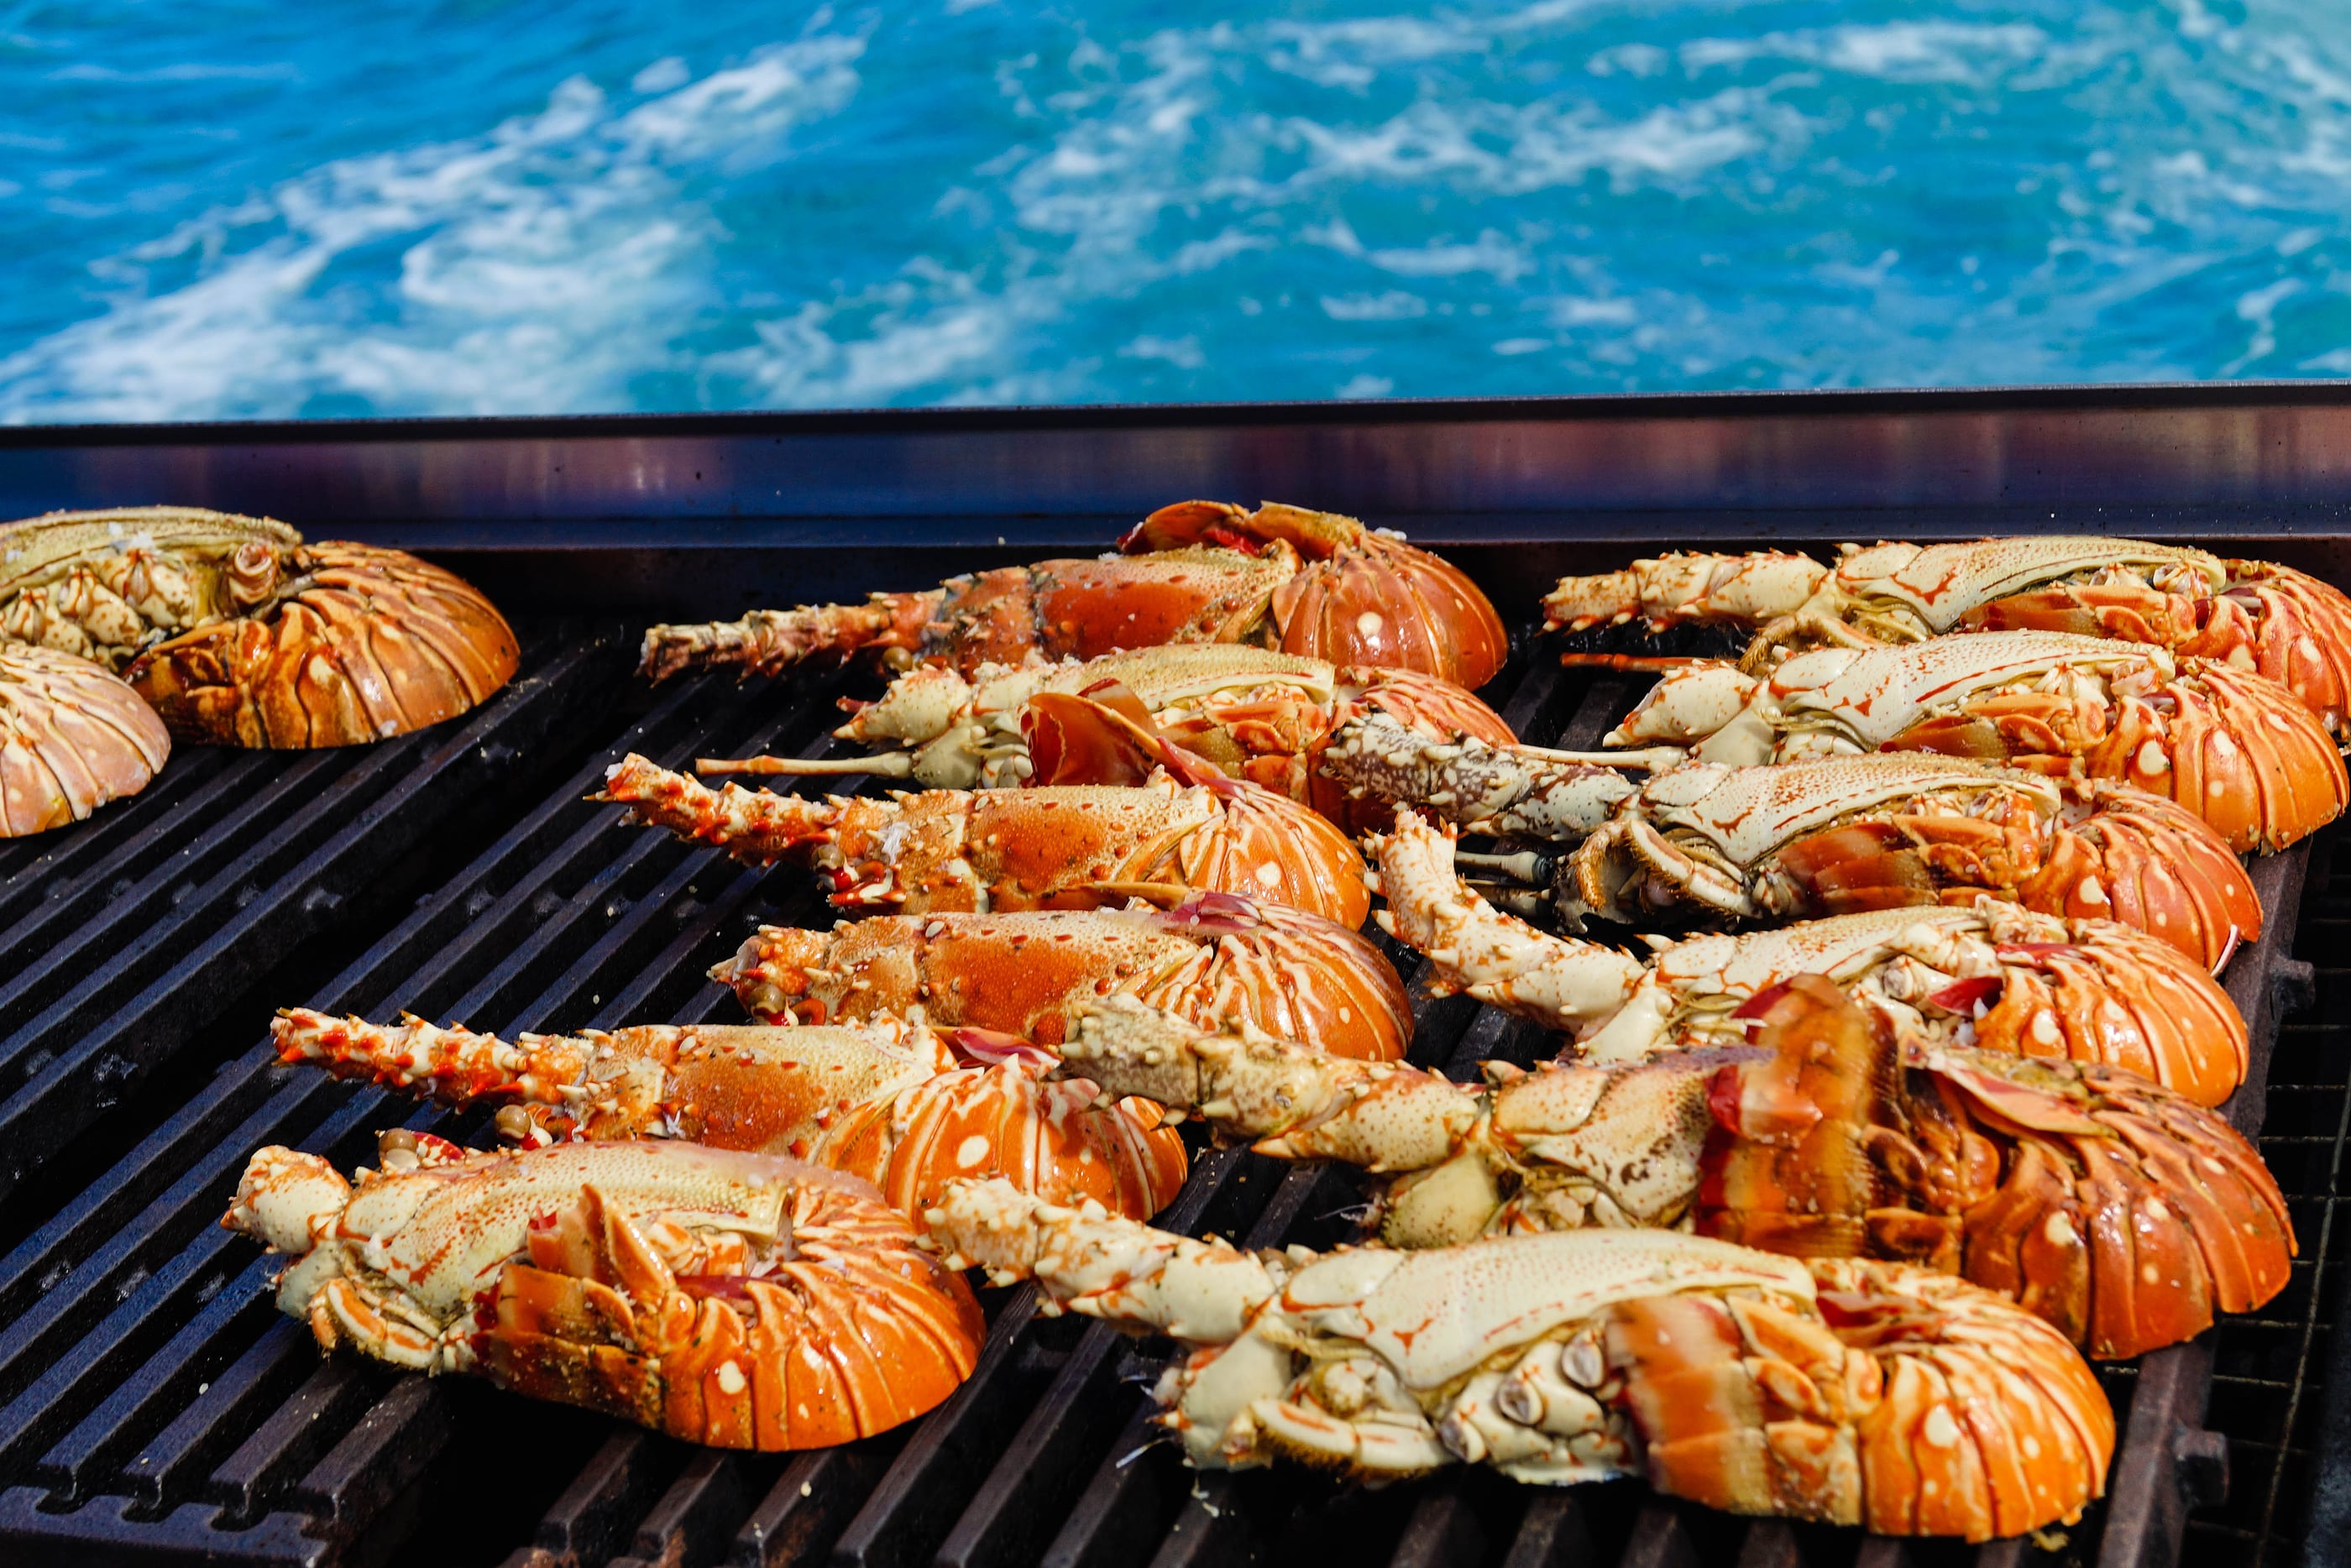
x=155, y=1407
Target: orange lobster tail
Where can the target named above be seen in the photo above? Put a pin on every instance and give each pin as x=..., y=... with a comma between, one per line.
x=2154, y=866
x=2301, y=635
x=2124, y=1217
x=1922, y=1408
x=1273, y=849
x=2121, y=1215
x=1046, y=1138
x=1364, y=598
x=72, y=737
x=858, y=1333
x=1214, y=959
x=375, y=643
x=2243, y=755
x=2130, y=1001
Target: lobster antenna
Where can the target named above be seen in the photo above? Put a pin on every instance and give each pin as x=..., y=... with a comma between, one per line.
x=886, y=764
x=1526, y=866
x=1656, y=759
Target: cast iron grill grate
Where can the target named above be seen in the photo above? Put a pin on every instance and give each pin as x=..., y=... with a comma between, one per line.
x=154, y=1408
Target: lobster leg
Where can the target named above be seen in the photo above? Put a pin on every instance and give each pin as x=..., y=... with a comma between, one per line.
x=1502, y=791
x=1494, y=957
x=753, y=825
x=767, y=642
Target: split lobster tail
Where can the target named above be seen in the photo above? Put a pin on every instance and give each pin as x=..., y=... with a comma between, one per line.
x=889, y=1103
x=1076, y=847
x=733, y=1300
x=2298, y=630
x=1364, y=597
x=361, y=645
x=1214, y=957
x=239, y=633
x=2119, y=1213
x=1835, y=1390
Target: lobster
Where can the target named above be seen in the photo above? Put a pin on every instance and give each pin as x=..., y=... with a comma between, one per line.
x=736, y=1300
x=72, y=737
x=2254, y=615
x=1312, y=583
x=1073, y=847
x=1214, y=957
x=1250, y=713
x=2109, y=1206
x=1988, y=975
x=900, y=1106
x=1828, y=1389
x=1827, y=836
x=2231, y=747
x=240, y=634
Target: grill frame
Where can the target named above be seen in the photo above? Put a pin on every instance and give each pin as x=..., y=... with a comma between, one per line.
x=560, y=516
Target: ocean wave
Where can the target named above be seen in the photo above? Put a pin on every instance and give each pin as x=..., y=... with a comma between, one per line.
x=973, y=203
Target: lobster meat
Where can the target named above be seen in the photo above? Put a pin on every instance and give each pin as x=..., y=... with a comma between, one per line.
x=2107, y=1204
x=2251, y=615
x=241, y=634
x=1312, y=583
x=2231, y=747
x=1988, y=975
x=899, y=1106
x=1071, y=848
x=1250, y=713
x=1827, y=1389
x=1212, y=958
x=736, y=1300
x=1827, y=836
x=72, y=737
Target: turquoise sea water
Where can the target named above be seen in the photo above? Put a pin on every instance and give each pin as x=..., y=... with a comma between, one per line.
x=247, y=209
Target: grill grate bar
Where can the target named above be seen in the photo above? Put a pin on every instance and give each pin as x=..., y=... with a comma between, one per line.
x=288, y=887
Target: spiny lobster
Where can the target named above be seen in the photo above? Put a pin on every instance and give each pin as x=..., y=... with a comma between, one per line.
x=1846, y=1392
x=1250, y=713
x=2253, y=615
x=1072, y=847
x=1825, y=835
x=241, y=634
x=900, y=1106
x=1988, y=975
x=1215, y=956
x=736, y=1300
x=1200, y=571
x=2107, y=1204
x=2231, y=747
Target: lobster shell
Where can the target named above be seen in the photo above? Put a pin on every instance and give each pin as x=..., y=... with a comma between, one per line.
x=1363, y=598
x=1213, y=958
x=72, y=737
x=371, y=643
x=2067, y=1191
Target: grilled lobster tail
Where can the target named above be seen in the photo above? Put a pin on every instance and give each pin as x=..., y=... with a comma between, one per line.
x=72, y=737
x=1214, y=957
x=889, y=1103
x=1991, y=974
x=2124, y=1216
x=1837, y=1390
x=1075, y=847
x=239, y=633
x=734, y=1300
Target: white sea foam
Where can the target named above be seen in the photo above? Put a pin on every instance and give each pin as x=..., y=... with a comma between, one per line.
x=1572, y=193
x=538, y=261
